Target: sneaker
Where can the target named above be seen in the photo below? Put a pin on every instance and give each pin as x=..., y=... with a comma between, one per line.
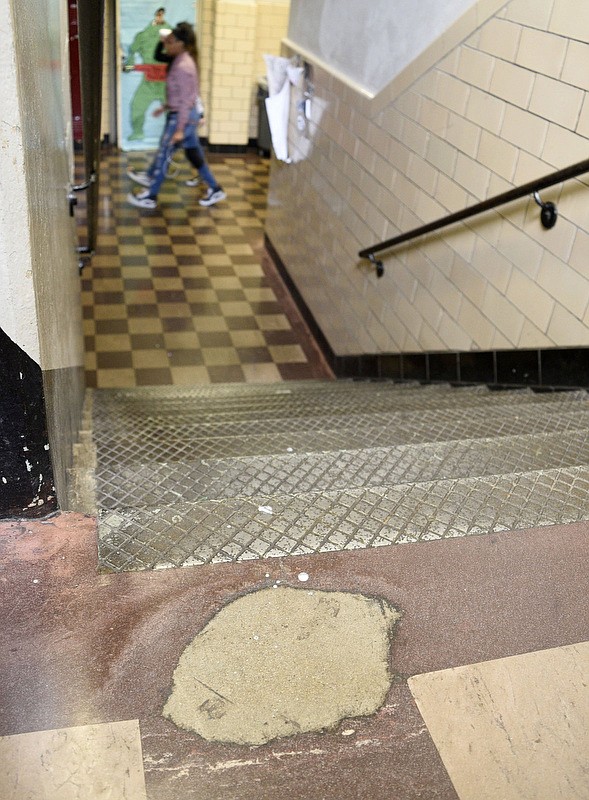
x=142, y=200
x=142, y=178
x=193, y=181
x=212, y=196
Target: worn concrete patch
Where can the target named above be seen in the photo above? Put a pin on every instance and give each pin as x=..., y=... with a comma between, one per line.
x=282, y=661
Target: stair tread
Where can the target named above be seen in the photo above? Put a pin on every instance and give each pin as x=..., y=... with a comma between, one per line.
x=148, y=483
x=276, y=526
x=115, y=416
x=152, y=442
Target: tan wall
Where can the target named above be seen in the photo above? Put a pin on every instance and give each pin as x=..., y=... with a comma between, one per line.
x=234, y=35
x=495, y=103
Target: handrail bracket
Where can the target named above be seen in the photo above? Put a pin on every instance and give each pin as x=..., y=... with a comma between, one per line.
x=548, y=214
x=377, y=264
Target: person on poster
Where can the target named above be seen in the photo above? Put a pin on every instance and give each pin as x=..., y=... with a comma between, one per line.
x=153, y=84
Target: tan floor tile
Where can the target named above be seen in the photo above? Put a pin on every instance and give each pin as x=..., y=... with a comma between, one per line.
x=515, y=728
x=161, y=260
x=132, y=250
x=167, y=310
x=106, y=260
x=239, y=249
x=225, y=282
x=128, y=230
x=260, y=295
x=248, y=338
x=90, y=361
x=112, y=342
x=216, y=260
x=184, y=376
x=287, y=353
x=261, y=373
x=145, y=325
x=248, y=270
x=167, y=284
x=237, y=308
x=107, y=284
x=181, y=340
x=85, y=763
x=89, y=327
x=184, y=249
x=140, y=297
x=144, y=359
x=273, y=322
x=209, y=238
x=201, y=295
x=118, y=311
x=137, y=272
x=210, y=324
x=115, y=378
x=219, y=356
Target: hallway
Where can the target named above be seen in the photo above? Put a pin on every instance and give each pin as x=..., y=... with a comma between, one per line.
x=185, y=294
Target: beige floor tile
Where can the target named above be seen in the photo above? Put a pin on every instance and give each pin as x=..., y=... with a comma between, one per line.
x=115, y=378
x=167, y=310
x=118, y=311
x=261, y=373
x=185, y=376
x=220, y=356
x=210, y=324
x=237, y=308
x=92, y=762
x=248, y=338
x=273, y=322
x=145, y=359
x=201, y=296
x=140, y=297
x=260, y=295
x=288, y=353
x=512, y=729
x=145, y=325
x=112, y=342
x=181, y=340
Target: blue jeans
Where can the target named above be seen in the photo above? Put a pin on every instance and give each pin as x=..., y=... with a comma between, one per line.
x=159, y=166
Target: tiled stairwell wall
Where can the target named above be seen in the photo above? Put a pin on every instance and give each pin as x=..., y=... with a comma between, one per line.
x=505, y=104
x=234, y=36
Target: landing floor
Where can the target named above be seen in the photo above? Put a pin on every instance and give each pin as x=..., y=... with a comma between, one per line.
x=95, y=654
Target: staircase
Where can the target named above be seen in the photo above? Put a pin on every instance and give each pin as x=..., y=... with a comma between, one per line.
x=185, y=476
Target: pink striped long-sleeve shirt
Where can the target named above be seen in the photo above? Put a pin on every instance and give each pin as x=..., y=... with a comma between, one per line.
x=182, y=87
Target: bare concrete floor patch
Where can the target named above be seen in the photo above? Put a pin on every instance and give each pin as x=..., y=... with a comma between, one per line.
x=282, y=661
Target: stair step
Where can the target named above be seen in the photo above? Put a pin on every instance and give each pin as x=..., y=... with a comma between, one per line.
x=115, y=416
x=190, y=442
x=143, y=485
x=276, y=526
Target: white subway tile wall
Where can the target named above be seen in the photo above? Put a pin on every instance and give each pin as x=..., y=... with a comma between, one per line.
x=505, y=105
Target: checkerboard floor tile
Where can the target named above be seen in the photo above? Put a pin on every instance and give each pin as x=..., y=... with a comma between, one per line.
x=185, y=294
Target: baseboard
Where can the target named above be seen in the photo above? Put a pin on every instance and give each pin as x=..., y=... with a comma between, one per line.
x=549, y=369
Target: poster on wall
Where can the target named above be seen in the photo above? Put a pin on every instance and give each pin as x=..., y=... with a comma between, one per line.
x=142, y=80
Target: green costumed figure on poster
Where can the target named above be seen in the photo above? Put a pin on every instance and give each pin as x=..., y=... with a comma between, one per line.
x=153, y=85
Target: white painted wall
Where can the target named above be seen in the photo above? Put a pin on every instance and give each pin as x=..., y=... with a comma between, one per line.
x=39, y=282
x=17, y=297
x=370, y=42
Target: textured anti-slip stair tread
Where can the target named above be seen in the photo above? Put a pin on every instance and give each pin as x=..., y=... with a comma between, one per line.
x=275, y=526
x=144, y=484
x=120, y=417
x=319, y=434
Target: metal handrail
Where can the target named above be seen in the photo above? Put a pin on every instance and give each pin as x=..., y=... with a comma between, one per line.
x=548, y=213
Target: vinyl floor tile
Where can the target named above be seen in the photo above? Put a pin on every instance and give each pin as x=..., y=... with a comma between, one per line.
x=183, y=269
x=512, y=728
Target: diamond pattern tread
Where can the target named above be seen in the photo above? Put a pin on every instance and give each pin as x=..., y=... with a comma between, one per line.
x=142, y=485
x=152, y=441
x=277, y=526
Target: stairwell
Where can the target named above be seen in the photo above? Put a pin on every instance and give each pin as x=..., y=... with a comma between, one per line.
x=181, y=476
